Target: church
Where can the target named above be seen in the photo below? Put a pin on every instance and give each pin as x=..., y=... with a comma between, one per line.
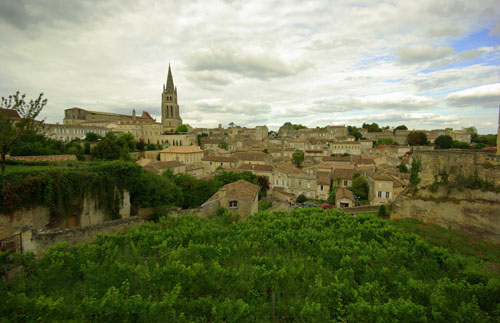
x=77, y=122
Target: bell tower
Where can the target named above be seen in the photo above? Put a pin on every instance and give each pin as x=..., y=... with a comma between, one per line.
x=170, y=117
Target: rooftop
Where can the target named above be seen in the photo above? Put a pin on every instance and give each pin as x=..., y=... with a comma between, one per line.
x=182, y=149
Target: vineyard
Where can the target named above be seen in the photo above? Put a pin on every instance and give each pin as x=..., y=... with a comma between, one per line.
x=307, y=266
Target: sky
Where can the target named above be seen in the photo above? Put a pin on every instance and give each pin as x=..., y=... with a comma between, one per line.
x=426, y=64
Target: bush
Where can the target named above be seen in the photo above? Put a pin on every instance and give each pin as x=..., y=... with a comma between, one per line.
x=443, y=142
x=382, y=212
x=460, y=145
x=301, y=198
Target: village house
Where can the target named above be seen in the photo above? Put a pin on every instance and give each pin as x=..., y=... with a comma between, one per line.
x=184, y=154
x=343, y=177
x=239, y=197
x=383, y=188
x=345, y=147
x=265, y=171
x=195, y=170
x=294, y=180
x=252, y=158
x=344, y=198
x=323, y=180
x=158, y=167
x=211, y=163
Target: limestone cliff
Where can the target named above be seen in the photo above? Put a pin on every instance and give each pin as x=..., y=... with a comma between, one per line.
x=472, y=212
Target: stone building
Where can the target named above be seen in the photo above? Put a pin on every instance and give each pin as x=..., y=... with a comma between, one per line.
x=344, y=198
x=380, y=188
x=184, y=154
x=239, y=197
x=170, y=117
x=294, y=180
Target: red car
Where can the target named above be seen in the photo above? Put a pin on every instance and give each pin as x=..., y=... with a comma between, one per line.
x=327, y=206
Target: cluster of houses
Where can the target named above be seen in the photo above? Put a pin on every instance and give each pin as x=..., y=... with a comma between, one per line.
x=332, y=158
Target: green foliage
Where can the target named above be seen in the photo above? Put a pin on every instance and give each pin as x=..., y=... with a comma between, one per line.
x=298, y=157
x=199, y=136
x=11, y=129
x=114, y=147
x=301, y=198
x=307, y=265
x=353, y=131
x=181, y=128
x=443, y=142
x=265, y=205
x=373, y=127
x=417, y=138
x=295, y=126
x=92, y=137
x=223, y=145
x=402, y=127
x=460, y=145
x=416, y=167
x=265, y=151
x=488, y=140
x=403, y=168
x=382, y=212
x=360, y=187
x=386, y=141
x=331, y=195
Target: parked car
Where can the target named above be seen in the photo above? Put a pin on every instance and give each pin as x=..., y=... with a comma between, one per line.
x=309, y=204
x=327, y=206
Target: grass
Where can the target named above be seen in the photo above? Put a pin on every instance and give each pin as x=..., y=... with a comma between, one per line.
x=24, y=169
x=454, y=242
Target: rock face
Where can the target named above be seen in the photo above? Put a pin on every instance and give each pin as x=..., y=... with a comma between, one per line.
x=473, y=212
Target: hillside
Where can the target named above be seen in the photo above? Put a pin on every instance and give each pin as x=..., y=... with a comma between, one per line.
x=309, y=265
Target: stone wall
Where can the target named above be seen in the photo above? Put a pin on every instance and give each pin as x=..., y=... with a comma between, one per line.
x=44, y=239
x=473, y=212
x=455, y=162
x=43, y=158
x=38, y=218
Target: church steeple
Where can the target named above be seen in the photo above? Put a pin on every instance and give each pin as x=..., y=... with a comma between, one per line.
x=170, y=81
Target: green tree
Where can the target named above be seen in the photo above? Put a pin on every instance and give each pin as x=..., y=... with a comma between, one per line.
x=443, y=142
x=373, y=127
x=265, y=151
x=11, y=129
x=298, y=157
x=402, y=168
x=402, y=127
x=460, y=145
x=360, y=187
x=181, y=128
x=92, y=137
x=223, y=145
x=417, y=138
x=301, y=198
x=382, y=212
x=416, y=167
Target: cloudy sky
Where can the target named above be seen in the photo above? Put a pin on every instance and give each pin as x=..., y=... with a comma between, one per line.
x=427, y=63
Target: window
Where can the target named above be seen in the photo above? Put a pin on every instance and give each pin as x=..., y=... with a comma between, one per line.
x=308, y=185
x=276, y=182
x=300, y=184
x=387, y=185
x=283, y=183
x=233, y=204
x=379, y=194
x=379, y=185
x=387, y=195
x=345, y=183
x=321, y=187
x=222, y=164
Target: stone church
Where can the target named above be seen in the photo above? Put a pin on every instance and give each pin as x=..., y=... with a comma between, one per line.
x=170, y=117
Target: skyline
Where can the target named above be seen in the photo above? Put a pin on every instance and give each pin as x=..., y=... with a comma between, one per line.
x=427, y=65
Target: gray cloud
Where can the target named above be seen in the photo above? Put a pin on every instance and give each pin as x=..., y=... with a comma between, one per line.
x=422, y=53
x=443, y=31
x=254, y=64
x=482, y=96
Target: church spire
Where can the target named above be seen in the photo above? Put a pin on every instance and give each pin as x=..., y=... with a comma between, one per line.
x=170, y=81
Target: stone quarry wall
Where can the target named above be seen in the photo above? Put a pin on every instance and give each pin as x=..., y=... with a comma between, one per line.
x=38, y=218
x=44, y=239
x=473, y=212
x=455, y=162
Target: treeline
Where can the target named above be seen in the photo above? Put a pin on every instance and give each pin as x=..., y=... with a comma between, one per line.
x=109, y=147
x=309, y=265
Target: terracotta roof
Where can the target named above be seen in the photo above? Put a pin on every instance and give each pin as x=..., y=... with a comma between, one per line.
x=182, y=149
x=381, y=177
x=219, y=159
x=10, y=114
x=191, y=167
x=261, y=168
x=282, y=191
x=323, y=178
x=289, y=168
x=314, y=151
x=240, y=189
x=343, y=173
x=343, y=192
x=167, y=164
x=335, y=158
x=251, y=156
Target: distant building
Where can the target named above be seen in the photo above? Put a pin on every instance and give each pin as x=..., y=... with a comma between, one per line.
x=344, y=198
x=184, y=154
x=238, y=197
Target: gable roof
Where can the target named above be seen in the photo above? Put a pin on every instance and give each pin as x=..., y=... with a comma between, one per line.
x=182, y=149
x=289, y=168
x=343, y=173
x=240, y=189
x=10, y=114
x=343, y=192
x=261, y=168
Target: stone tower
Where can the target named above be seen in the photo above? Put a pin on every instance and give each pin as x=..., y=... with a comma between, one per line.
x=170, y=117
x=498, y=132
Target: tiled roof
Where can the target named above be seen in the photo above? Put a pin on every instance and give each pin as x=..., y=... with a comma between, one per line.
x=240, y=189
x=167, y=164
x=343, y=173
x=261, y=168
x=381, y=177
x=289, y=168
x=251, y=156
x=343, y=192
x=10, y=114
x=191, y=167
x=223, y=159
x=323, y=178
x=182, y=149
x=337, y=158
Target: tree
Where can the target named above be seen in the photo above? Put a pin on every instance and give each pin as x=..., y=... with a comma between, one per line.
x=12, y=128
x=416, y=167
x=386, y=141
x=382, y=212
x=417, y=138
x=460, y=145
x=360, y=187
x=92, y=137
x=140, y=145
x=301, y=198
x=443, y=142
x=331, y=196
x=223, y=145
x=265, y=151
x=298, y=157
x=402, y=127
x=402, y=168
x=181, y=128
x=372, y=127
